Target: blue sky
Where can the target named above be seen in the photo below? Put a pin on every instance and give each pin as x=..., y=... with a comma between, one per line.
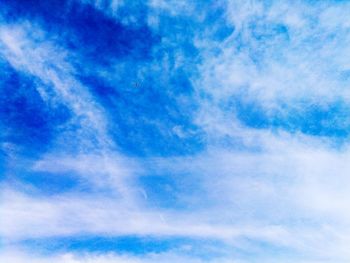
x=174, y=131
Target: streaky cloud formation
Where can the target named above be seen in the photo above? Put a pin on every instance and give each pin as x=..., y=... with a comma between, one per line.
x=174, y=131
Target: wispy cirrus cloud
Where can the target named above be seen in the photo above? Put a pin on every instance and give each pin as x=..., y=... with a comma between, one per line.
x=219, y=129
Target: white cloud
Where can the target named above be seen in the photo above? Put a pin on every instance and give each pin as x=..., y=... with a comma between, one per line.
x=106, y=170
x=288, y=190
x=170, y=257
x=291, y=195
x=69, y=214
x=28, y=50
x=281, y=71
x=109, y=7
